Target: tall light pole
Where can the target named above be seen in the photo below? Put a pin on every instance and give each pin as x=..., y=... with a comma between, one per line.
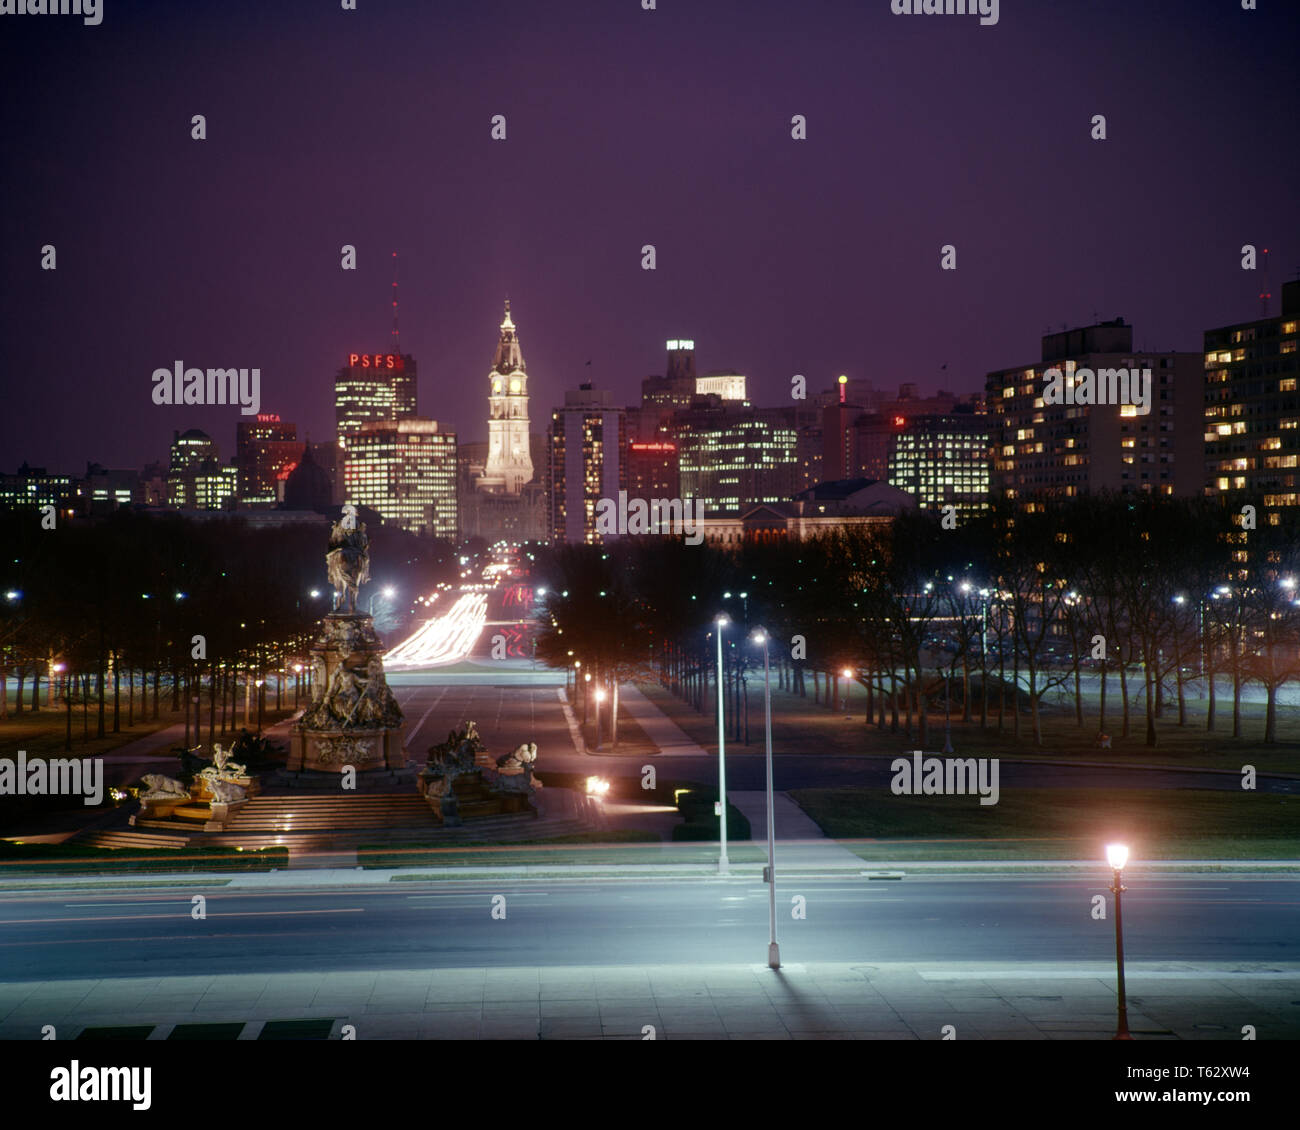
x=1117, y=856
x=773, y=950
x=600, y=697
x=720, y=623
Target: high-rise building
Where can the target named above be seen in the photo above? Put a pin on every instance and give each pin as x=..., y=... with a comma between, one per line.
x=585, y=461
x=1252, y=409
x=734, y=459
x=190, y=448
x=943, y=461
x=1087, y=418
x=838, y=416
x=509, y=462
x=264, y=448
x=662, y=396
x=406, y=471
x=196, y=479
x=373, y=387
x=652, y=469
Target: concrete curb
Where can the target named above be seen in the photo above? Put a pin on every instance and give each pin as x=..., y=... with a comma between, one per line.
x=749, y=872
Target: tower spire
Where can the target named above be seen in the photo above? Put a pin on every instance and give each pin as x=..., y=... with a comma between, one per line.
x=397, y=339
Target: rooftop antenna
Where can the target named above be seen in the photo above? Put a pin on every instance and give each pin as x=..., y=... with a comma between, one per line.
x=397, y=339
x=1266, y=290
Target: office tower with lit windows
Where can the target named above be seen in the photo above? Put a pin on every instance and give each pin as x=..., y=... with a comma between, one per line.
x=943, y=461
x=196, y=479
x=1043, y=450
x=735, y=459
x=406, y=471
x=585, y=462
x=1252, y=410
x=265, y=448
x=35, y=486
x=373, y=387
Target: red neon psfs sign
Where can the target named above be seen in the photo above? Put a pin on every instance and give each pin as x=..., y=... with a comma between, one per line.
x=376, y=361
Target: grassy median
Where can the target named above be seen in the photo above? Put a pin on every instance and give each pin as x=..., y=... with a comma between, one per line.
x=1076, y=823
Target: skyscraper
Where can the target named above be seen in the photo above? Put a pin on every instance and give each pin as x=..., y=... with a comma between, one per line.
x=587, y=442
x=264, y=448
x=1252, y=409
x=406, y=470
x=943, y=460
x=1049, y=439
x=373, y=387
x=509, y=465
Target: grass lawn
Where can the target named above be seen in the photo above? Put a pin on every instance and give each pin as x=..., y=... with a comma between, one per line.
x=800, y=725
x=43, y=733
x=1058, y=824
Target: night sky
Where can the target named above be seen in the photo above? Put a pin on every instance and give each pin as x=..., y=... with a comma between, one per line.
x=625, y=127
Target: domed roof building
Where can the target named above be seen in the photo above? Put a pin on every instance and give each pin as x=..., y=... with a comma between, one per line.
x=308, y=486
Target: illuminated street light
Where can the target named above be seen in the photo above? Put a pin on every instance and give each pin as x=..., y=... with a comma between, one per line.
x=1117, y=856
x=600, y=697
x=773, y=950
x=721, y=622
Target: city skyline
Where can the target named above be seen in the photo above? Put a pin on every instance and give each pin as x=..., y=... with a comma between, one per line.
x=776, y=256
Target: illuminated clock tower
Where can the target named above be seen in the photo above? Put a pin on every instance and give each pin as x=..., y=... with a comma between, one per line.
x=509, y=466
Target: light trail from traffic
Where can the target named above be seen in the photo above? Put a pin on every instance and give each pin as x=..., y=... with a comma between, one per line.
x=443, y=639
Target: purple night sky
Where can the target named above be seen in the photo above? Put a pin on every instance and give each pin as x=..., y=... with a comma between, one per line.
x=625, y=127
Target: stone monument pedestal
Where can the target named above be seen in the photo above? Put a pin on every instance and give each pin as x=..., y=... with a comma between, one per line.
x=329, y=750
x=353, y=720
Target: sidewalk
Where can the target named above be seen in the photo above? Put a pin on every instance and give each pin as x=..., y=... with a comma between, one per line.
x=668, y=737
x=739, y=1001
x=800, y=843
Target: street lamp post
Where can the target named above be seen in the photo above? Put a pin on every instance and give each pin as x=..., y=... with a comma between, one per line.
x=1117, y=856
x=387, y=593
x=848, y=681
x=600, y=697
x=723, y=867
x=947, y=712
x=773, y=950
